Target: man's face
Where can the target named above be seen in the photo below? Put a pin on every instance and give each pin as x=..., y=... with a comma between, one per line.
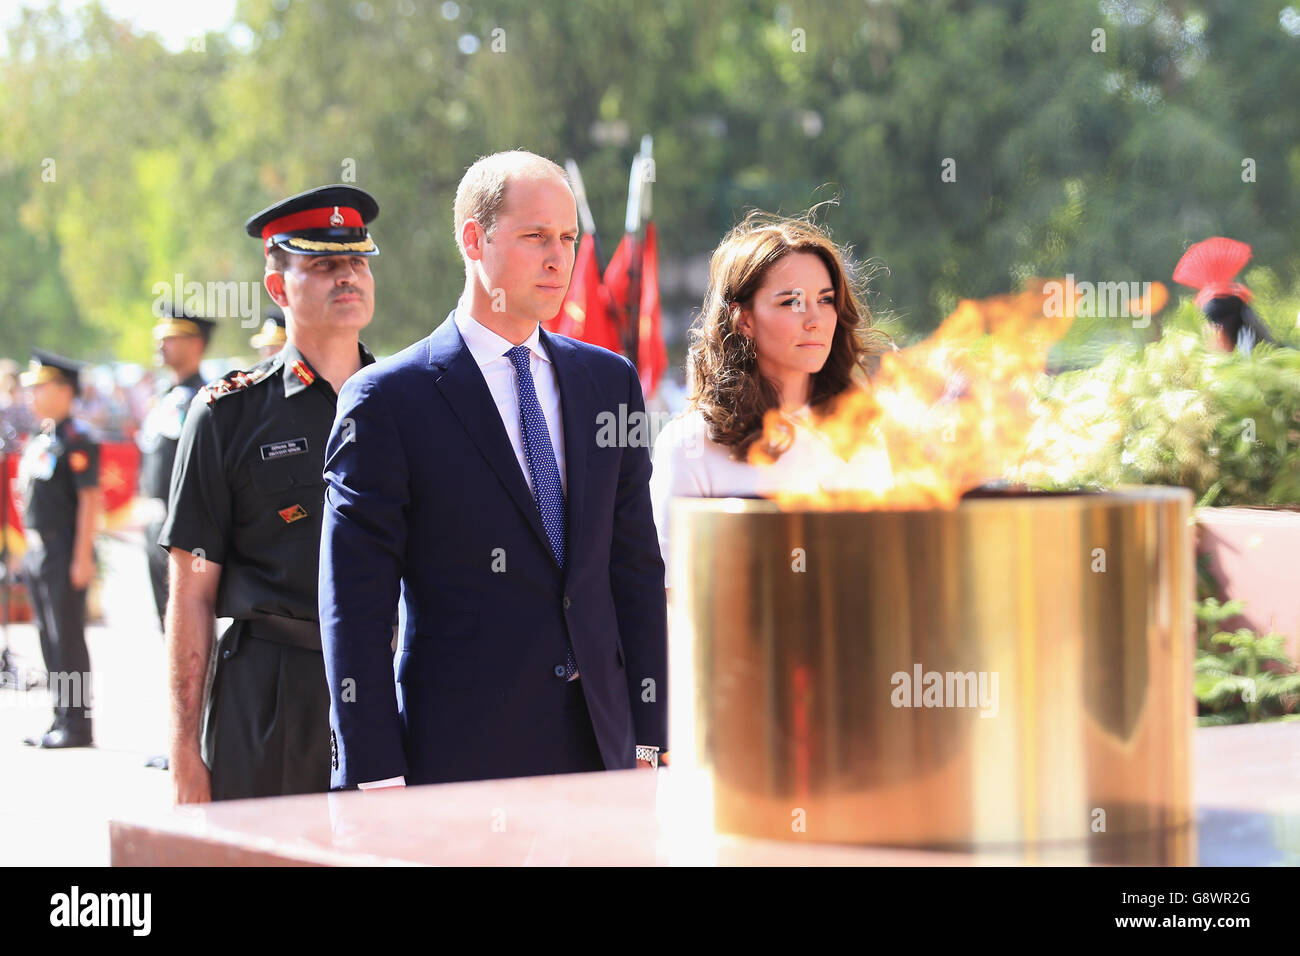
x=181, y=351
x=326, y=292
x=51, y=400
x=526, y=262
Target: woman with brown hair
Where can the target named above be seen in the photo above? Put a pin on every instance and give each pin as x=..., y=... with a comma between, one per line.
x=783, y=334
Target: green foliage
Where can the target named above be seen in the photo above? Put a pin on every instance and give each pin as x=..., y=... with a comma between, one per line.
x=1068, y=158
x=1240, y=675
x=1173, y=413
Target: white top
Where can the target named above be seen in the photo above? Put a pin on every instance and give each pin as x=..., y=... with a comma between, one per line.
x=687, y=464
x=489, y=351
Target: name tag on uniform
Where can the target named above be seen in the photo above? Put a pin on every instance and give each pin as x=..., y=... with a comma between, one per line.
x=282, y=449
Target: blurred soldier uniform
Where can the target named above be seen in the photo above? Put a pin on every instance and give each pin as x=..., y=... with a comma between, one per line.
x=159, y=435
x=58, y=462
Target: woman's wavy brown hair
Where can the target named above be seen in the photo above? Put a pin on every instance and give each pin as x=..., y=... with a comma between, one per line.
x=724, y=381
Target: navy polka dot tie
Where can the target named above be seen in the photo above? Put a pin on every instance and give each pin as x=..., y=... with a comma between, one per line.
x=543, y=472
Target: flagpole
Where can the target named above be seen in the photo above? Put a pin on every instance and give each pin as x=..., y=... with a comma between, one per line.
x=647, y=191
x=587, y=220
x=633, y=222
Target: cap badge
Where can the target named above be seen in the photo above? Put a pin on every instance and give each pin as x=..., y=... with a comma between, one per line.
x=337, y=218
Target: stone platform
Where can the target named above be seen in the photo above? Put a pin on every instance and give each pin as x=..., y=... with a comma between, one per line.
x=1247, y=793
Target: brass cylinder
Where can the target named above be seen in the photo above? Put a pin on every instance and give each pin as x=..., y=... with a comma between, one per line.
x=1014, y=672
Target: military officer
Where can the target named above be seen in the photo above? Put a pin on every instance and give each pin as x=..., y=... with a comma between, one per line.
x=181, y=340
x=272, y=337
x=59, y=479
x=243, y=529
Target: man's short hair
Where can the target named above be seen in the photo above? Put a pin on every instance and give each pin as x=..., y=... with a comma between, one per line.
x=482, y=189
x=277, y=260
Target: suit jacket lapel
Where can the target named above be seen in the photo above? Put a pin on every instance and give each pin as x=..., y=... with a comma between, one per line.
x=577, y=404
x=461, y=383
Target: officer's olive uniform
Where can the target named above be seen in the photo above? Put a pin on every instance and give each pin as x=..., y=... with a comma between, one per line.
x=159, y=436
x=247, y=493
x=56, y=464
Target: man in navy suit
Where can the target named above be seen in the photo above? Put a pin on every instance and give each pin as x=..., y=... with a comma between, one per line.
x=465, y=474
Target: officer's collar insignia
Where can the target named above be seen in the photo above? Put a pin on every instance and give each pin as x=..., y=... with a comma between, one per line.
x=293, y=513
x=304, y=373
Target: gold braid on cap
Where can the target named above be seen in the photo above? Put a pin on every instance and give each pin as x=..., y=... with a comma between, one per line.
x=312, y=245
x=38, y=374
x=176, y=327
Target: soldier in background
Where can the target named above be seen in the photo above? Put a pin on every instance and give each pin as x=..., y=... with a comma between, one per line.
x=181, y=340
x=1211, y=267
x=272, y=336
x=59, y=480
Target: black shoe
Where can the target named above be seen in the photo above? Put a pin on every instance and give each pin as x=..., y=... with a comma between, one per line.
x=62, y=739
x=35, y=741
x=158, y=763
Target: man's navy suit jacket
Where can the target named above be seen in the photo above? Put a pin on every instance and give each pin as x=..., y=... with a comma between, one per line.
x=424, y=493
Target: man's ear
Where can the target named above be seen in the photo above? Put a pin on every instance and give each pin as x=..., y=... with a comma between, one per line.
x=274, y=282
x=472, y=238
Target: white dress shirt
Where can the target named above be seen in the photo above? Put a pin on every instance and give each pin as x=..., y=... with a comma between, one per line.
x=489, y=351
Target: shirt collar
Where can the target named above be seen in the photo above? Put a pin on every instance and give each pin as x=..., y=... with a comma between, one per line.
x=297, y=371
x=485, y=345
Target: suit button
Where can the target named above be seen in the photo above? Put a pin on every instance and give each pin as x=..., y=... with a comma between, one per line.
x=559, y=670
x=225, y=655
x=567, y=602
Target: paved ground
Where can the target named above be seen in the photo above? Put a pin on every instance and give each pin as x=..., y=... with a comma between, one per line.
x=54, y=804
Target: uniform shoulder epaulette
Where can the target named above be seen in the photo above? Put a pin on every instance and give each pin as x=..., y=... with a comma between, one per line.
x=237, y=381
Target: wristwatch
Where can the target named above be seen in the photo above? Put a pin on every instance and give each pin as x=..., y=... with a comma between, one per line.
x=648, y=753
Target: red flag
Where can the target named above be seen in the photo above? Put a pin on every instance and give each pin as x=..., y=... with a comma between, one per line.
x=652, y=354
x=9, y=501
x=119, y=472
x=616, y=275
x=584, y=314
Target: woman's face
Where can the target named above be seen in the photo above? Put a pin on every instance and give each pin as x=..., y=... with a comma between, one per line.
x=1218, y=338
x=792, y=317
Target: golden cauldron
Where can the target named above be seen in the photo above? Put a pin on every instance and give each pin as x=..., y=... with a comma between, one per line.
x=1014, y=672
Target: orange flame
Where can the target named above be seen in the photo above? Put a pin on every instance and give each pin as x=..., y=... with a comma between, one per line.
x=947, y=415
